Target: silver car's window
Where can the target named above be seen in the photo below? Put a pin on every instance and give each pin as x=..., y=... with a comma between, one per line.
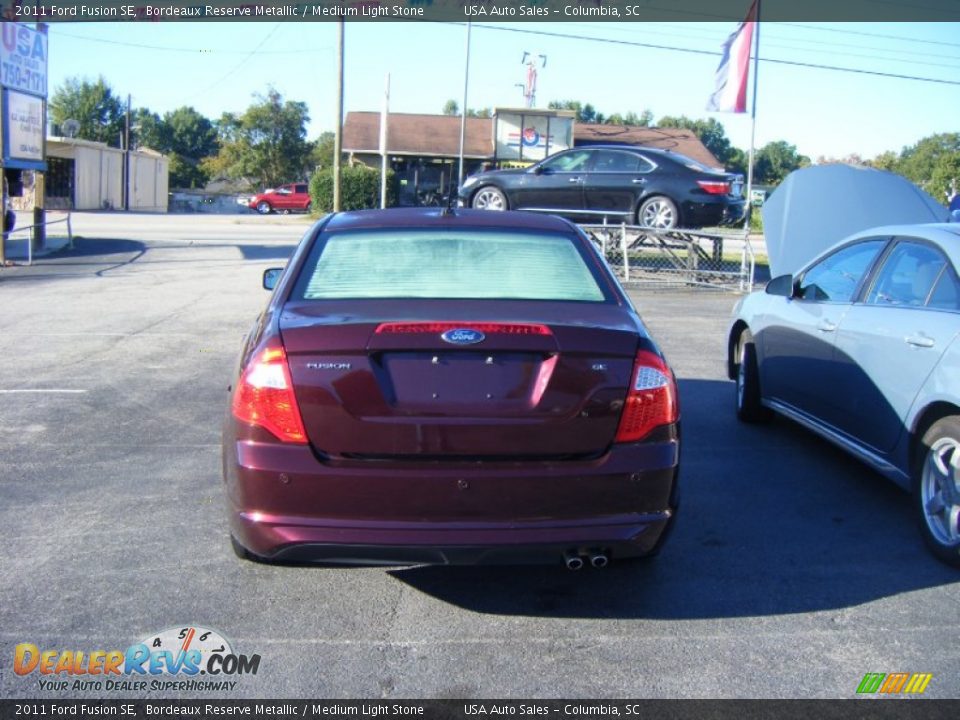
x=907, y=276
x=449, y=264
x=837, y=277
x=575, y=161
x=946, y=293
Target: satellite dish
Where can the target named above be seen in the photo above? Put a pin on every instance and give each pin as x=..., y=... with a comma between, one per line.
x=70, y=128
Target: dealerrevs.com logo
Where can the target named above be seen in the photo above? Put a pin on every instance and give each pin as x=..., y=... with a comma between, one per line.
x=894, y=683
x=174, y=659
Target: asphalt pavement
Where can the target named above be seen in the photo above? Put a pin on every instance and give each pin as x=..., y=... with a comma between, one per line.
x=792, y=570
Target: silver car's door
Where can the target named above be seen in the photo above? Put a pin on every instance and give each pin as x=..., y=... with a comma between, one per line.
x=888, y=345
x=799, y=333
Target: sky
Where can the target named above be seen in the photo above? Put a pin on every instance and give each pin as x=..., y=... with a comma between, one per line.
x=218, y=67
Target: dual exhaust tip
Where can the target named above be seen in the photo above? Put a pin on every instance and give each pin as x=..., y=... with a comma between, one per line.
x=576, y=561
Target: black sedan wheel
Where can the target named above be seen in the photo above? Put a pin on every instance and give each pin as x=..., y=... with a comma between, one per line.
x=263, y=207
x=658, y=212
x=937, y=489
x=489, y=198
x=750, y=409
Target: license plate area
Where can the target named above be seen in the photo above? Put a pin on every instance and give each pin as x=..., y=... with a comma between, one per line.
x=469, y=383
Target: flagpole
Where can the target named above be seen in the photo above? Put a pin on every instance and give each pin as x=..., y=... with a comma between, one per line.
x=753, y=117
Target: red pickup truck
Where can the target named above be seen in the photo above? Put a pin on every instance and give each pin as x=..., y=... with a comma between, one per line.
x=283, y=199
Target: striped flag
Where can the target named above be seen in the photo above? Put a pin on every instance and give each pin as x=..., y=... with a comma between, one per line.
x=731, y=77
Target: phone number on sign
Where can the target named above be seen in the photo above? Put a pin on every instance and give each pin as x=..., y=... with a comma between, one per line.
x=15, y=76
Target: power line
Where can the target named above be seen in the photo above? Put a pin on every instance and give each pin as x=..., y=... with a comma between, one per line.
x=782, y=43
x=171, y=48
x=241, y=63
x=692, y=51
x=873, y=35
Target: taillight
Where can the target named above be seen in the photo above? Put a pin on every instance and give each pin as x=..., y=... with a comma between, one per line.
x=264, y=397
x=651, y=400
x=715, y=187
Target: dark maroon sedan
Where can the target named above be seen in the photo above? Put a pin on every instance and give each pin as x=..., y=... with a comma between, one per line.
x=437, y=387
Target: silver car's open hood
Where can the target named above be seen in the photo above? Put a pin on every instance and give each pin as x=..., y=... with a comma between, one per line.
x=818, y=206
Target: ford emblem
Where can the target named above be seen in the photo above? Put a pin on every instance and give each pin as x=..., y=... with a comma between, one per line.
x=463, y=336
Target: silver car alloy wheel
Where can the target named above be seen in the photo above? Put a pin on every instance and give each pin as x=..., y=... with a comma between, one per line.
x=940, y=492
x=658, y=214
x=489, y=199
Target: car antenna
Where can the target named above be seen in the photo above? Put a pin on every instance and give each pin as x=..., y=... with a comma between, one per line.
x=450, y=206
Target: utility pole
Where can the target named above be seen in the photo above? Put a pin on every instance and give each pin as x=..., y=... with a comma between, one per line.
x=126, y=158
x=463, y=110
x=338, y=131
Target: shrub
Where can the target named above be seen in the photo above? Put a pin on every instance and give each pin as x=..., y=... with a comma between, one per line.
x=359, y=189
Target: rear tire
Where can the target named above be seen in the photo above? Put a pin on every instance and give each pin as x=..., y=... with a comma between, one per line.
x=747, y=396
x=489, y=198
x=658, y=212
x=263, y=207
x=936, y=489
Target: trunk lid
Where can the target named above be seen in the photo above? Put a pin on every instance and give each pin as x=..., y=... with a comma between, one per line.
x=550, y=388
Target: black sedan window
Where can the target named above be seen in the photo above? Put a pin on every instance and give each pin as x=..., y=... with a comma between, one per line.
x=617, y=161
x=574, y=161
x=837, y=277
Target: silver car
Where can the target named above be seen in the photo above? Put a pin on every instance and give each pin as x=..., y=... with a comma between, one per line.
x=861, y=346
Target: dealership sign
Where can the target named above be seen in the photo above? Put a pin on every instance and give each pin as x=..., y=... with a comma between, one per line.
x=24, y=122
x=23, y=59
x=23, y=76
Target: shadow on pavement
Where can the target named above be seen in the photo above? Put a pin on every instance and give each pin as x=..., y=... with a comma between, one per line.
x=97, y=256
x=772, y=521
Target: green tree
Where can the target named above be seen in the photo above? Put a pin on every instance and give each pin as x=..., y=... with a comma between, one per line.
x=265, y=145
x=451, y=107
x=885, y=161
x=92, y=104
x=585, y=112
x=775, y=160
x=933, y=163
x=147, y=130
x=190, y=137
x=321, y=152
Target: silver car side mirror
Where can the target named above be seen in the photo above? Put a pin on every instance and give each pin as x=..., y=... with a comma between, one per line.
x=781, y=285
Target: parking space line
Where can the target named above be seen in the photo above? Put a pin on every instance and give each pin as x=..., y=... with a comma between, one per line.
x=53, y=391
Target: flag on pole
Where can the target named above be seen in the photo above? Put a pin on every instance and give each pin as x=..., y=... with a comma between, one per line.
x=731, y=78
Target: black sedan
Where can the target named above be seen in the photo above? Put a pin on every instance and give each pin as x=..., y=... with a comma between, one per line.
x=643, y=186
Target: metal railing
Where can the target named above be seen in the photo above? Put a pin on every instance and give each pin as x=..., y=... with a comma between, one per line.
x=44, y=225
x=640, y=256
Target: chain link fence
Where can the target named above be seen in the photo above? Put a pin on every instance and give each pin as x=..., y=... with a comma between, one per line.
x=645, y=257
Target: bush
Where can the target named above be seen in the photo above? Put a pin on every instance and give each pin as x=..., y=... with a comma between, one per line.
x=359, y=189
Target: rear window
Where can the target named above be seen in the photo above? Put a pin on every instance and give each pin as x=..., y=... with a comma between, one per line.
x=447, y=264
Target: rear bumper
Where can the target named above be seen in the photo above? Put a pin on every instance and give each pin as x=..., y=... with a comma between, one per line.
x=284, y=504
x=719, y=211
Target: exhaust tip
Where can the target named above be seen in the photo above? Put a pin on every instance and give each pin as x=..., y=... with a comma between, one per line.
x=573, y=562
x=599, y=560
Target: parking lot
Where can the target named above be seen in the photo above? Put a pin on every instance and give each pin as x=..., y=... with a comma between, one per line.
x=792, y=570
